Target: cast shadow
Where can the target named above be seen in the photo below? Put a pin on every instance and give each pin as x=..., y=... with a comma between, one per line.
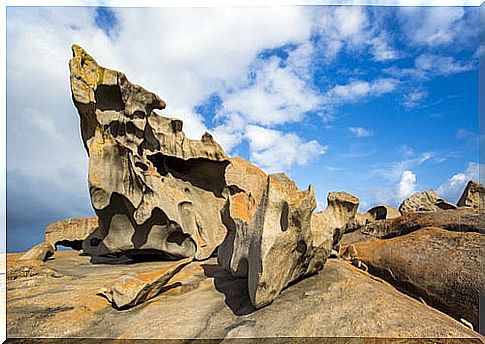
x=234, y=289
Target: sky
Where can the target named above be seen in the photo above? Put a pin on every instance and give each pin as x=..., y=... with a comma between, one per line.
x=380, y=102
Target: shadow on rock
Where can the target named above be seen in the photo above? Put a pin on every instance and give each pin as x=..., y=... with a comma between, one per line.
x=234, y=289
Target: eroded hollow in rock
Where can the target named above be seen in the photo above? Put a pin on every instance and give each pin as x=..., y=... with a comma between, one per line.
x=202, y=173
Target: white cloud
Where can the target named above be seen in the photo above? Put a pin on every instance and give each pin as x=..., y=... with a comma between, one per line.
x=440, y=65
x=453, y=188
x=434, y=26
x=276, y=151
x=427, y=66
x=360, y=132
x=359, y=90
x=381, y=50
x=274, y=95
x=414, y=98
x=407, y=184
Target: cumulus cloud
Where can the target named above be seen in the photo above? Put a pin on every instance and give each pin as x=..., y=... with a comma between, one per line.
x=273, y=95
x=275, y=151
x=360, y=132
x=453, y=188
x=407, y=184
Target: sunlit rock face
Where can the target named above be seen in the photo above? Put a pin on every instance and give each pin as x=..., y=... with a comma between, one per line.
x=423, y=202
x=155, y=191
x=270, y=239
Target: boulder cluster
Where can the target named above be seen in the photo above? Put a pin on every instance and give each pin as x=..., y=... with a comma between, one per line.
x=159, y=195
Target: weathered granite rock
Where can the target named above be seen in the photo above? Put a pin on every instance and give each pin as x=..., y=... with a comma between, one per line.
x=442, y=267
x=424, y=201
x=384, y=212
x=272, y=242
x=70, y=232
x=40, y=251
x=247, y=185
x=459, y=220
x=204, y=301
x=473, y=196
x=337, y=218
x=154, y=190
x=131, y=290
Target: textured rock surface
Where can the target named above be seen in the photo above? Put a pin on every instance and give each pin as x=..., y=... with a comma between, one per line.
x=154, y=190
x=442, y=267
x=271, y=240
x=131, y=290
x=204, y=301
x=40, y=251
x=384, y=212
x=424, y=201
x=70, y=232
x=473, y=196
x=459, y=220
x=340, y=215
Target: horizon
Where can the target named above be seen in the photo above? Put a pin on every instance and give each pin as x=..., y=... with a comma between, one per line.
x=379, y=102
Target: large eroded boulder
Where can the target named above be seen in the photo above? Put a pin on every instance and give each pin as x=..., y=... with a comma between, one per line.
x=424, y=201
x=442, y=267
x=154, y=190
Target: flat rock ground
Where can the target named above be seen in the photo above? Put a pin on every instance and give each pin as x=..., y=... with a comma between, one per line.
x=59, y=299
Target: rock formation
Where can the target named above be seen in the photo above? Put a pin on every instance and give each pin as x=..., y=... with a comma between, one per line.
x=272, y=243
x=331, y=223
x=70, y=232
x=129, y=291
x=155, y=191
x=41, y=252
x=442, y=267
x=424, y=201
x=384, y=212
x=473, y=196
x=459, y=220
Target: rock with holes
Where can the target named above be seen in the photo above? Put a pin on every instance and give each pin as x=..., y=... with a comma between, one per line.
x=473, y=196
x=70, y=232
x=424, y=201
x=40, y=251
x=155, y=191
x=270, y=237
x=340, y=215
x=384, y=212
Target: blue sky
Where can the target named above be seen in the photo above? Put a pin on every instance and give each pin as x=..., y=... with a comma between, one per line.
x=380, y=102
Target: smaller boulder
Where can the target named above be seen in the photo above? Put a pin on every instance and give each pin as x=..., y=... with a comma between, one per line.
x=339, y=217
x=473, y=196
x=384, y=212
x=41, y=252
x=424, y=202
x=70, y=232
x=129, y=291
